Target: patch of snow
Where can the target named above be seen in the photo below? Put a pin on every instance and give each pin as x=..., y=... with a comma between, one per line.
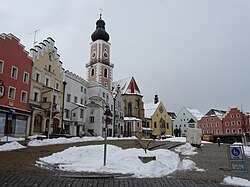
x=11, y=146
x=11, y=139
x=125, y=161
x=236, y=181
x=176, y=139
x=186, y=149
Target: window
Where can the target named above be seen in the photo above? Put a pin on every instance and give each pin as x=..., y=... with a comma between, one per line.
x=212, y=131
x=105, y=72
x=74, y=114
x=238, y=122
x=232, y=116
x=92, y=119
x=23, y=96
x=14, y=72
x=75, y=99
x=106, y=84
x=218, y=131
x=47, y=81
x=103, y=95
x=81, y=113
x=212, y=119
x=12, y=93
x=239, y=130
x=85, y=90
x=81, y=89
x=49, y=67
x=55, y=98
x=36, y=95
x=81, y=101
x=138, y=124
x=45, y=99
x=227, y=131
x=217, y=124
x=204, y=132
x=212, y=124
x=26, y=77
x=38, y=76
x=226, y=124
x=237, y=115
x=92, y=72
x=233, y=131
x=1, y=66
x=68, y=97
x=57, y=85
x=155, y=125
x=208, y=125
x=67, y=113
x=232, y=123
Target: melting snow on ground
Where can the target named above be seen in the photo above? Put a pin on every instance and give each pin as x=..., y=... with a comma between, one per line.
x=124, y=161
x=11, y=146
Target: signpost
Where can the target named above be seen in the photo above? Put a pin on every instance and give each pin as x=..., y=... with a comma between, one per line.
x=237, y=159
x=108, y=115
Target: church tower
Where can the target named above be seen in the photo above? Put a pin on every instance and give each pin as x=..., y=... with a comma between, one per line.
x=99, y=68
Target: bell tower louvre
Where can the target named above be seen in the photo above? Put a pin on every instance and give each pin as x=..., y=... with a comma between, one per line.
x=99, y=68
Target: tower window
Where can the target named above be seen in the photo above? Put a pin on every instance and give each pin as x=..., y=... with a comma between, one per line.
x=92, y=72
x=105, y=72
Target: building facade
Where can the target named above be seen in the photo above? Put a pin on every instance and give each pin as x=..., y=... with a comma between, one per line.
x=235, y=122
x=211, y=122
x=47, y=87
x=157, y=120
x=133, y=106
x=186, y=118
x=15, y=75
x=75, y=100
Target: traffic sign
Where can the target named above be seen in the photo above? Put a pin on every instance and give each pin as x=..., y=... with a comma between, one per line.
x=238, y=166
x=236, y=153
x=2, y=89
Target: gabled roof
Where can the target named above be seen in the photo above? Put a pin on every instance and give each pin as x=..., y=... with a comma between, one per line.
x=196, y=113
x=191, y=121
x=149, y=109
x=215, y=112
x=127, y=86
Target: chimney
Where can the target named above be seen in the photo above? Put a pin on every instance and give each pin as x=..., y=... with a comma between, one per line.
x=156, y=100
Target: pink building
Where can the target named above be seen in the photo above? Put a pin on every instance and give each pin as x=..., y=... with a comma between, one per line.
x=211, y=122
x=235, y=122
x=15, y=74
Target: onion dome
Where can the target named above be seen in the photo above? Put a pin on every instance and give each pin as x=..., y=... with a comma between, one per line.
x=100, y=33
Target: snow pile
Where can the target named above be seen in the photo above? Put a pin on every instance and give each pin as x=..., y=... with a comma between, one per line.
x=10, y=139
x=176, y=139
x=247, y=151
x=55, y=141
x=124, y=161
x=11, y=146
x=236, y=181
x=186, y=149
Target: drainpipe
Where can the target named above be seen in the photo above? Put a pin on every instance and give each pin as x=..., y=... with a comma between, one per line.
x=64, y=85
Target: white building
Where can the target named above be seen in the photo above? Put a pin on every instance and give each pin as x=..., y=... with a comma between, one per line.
x=75, y=101
x=186, y=118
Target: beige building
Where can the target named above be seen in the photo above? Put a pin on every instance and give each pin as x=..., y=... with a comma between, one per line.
x=133, y=106
x=46, y=89
x=157, y=120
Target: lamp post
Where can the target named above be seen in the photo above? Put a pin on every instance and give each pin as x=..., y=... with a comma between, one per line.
x=64, y=85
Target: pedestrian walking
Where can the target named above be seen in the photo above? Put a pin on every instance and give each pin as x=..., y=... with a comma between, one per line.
x=218, y=141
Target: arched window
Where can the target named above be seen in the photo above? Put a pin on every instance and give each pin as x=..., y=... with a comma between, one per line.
x=38, y=123
x=92, y=72
x=129, y=109
x=105, y=72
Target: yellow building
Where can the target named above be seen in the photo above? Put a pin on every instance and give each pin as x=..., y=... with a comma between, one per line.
x=157, y=120
x=46, y=89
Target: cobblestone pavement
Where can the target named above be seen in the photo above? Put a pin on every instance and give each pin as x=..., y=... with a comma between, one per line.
x=17, y=168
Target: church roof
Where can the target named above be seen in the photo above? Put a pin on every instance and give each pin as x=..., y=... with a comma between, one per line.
x=150, y=108
x=100, y=32
x=127, y=86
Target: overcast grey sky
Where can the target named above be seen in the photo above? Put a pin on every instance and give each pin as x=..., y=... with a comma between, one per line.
x=192, y=53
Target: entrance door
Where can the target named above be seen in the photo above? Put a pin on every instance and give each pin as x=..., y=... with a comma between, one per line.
x=56, y=126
